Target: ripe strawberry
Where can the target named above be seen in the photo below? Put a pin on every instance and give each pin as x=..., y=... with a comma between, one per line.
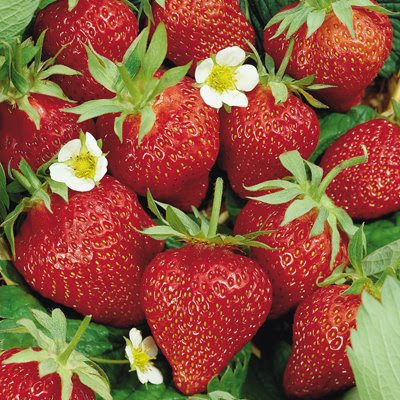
x=33, y=124
x=305, y=240
x=372, y=189
x=167, y=141
x=197, y=29
x=318, y=364
x=347, y=55
x=108, y=25
x=85, y=254
x=203, y=302
x=53, y=371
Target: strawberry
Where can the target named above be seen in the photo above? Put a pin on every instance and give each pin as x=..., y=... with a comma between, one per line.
x=159, y=133
x=304, y=235
x=318, y=364
x=372, y=189
x=85, y=253
x=108, y=25
x=275, y=121
x=203, y=302
x=33, y=124
x=345, y=47
x=197, y=29
x=54, y=370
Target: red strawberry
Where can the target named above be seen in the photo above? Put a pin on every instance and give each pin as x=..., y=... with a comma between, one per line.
x=318, y=364
x=166, y=141
x=53, y=371
x=331, y=52
x=198, y=29
x=305, y=240
x=110, y=27
x=85, y=254
x=203, y=302
x=372, y=189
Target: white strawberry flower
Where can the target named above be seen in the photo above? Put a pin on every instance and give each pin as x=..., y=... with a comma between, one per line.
x=223, y=79
x=81, y=164
x=141, y=354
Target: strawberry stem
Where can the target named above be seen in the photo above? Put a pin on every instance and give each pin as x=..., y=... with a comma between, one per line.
x=216, y=208
x=105, y=361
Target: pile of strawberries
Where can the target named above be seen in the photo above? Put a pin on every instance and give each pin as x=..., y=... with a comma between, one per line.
x=160, y=96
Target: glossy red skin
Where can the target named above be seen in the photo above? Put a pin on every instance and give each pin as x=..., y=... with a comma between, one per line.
x=372, y=189
x=197, y=29
x=22, y=381
x=19, y=137
x=253, y=138
x=109, y=25
x=175, y=157
x=87, y=255
x=334, y=57
x=297, y=261
x=203, y=304
x=318, y=364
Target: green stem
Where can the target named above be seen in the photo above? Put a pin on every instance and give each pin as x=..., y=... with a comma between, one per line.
x=75, y=340
x=105, y=361
x=216, y=208
x=285, y=61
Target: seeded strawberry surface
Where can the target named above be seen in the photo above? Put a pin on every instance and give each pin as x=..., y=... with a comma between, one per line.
x=108, y=25
x=203, y=304
x=318, y=364
x=87, y=254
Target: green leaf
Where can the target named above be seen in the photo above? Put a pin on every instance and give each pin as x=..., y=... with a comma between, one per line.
x=375, y=346
x=381, y=259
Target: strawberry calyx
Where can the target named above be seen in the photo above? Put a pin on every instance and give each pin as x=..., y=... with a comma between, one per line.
x=197, y=229
x=314, y=12
x=22, y=73
x=305, y=190
x=58, y=356
x=133, y=82
x=282, y=84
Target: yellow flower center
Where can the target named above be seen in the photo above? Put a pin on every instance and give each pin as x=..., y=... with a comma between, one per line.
x=141, y=360
x=84, y=165
x=222, y=78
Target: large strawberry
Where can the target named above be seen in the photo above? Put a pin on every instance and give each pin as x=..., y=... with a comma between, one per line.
x=54, y=370
x=203, y=302
x=197, y=29
x=33, y=124
x=84, y=253
x=372, y=189
x=305, y=237
x=275, y=121
x=342, y=45
x=163, y=137
x=107, y=25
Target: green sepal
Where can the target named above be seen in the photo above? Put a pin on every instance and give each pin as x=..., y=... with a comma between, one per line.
x=357, y=286
x=72, y=4
x=337, y=277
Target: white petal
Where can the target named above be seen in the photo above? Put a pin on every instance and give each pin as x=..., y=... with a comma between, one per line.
x=154, y=375
x=247, y=78
x=231, y=56
x=203, y=70
x=211, y=97
x=135, y=337
x=235, y=98
x=61, y=172
x=101, y=168
x=150, y=346
x=129, y=354
x=143, y=376
x=92, y=146
x=69, y=150
x=80, y=184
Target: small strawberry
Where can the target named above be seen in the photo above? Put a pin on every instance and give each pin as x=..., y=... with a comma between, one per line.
x=275, y=121
x=84, y=253
x=341, y=44
x=197, y=29
x=372, y=189
x=108, y=25
x=203, y=302
x=159, y=133
x=54, y=370
x=33, y=125
x=308, y=232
